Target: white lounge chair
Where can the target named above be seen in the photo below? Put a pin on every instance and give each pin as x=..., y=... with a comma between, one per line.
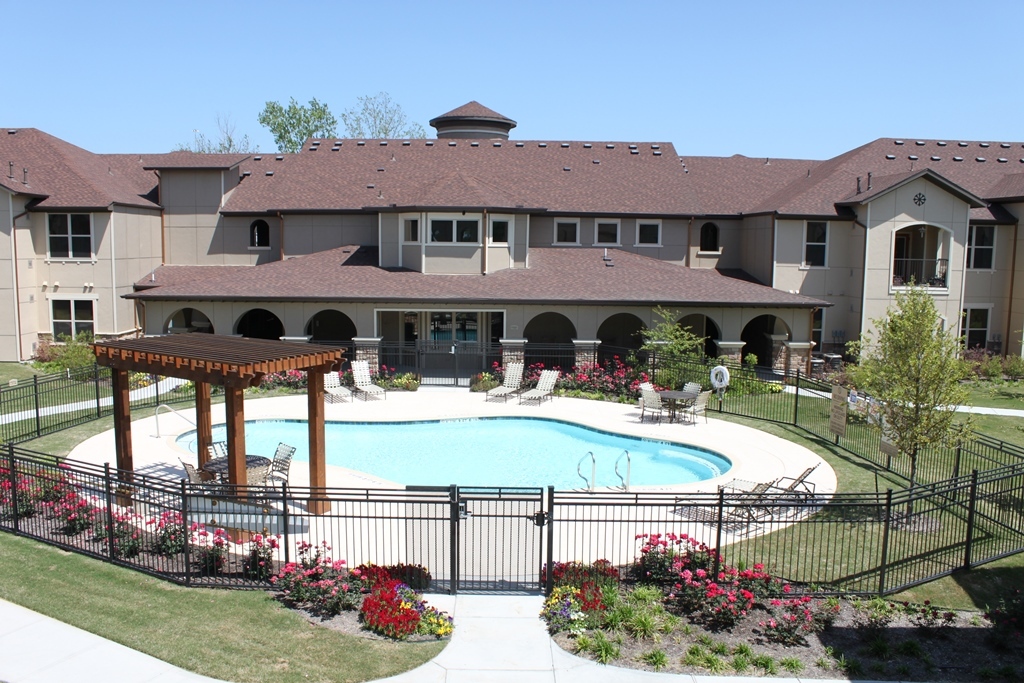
x=333, y=390
x=364, y=385
x=545, y=385
x=511, y=385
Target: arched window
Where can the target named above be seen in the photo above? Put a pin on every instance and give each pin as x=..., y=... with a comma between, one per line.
x=259, y=235
x=709, y=237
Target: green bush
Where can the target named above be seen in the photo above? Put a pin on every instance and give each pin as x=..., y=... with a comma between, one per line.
x=1013, y=367
x=65, y=354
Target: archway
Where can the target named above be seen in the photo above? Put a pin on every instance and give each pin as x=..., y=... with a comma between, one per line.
x=330, y=326
x=703, y=326
x=259, y=323
x=757, y=338
x=188, y=320
x=621, y=331
x=550, y=328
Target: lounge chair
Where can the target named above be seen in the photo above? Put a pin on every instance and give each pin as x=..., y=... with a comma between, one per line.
x=511, y=385
x=333, y=390
x=800, y=486
x=757, y=504
x=281, y=464
x=700, y=406
x=364, y=385
x=545, y=385
x=651, y=403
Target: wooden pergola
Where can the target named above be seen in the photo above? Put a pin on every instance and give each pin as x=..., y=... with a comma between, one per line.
x=234, y=363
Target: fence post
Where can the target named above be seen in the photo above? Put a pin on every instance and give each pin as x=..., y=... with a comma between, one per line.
x=796, y=400
x=718, y=532
x=12, y=473
x=96, y=383
x=956, y=460
x=453, y=539
x=972, y=503
x=188, y=533
x=157, y=387
x=35, y=385
x=885, y=542
x=549, y=579
x=284, y=521
x=110, y=511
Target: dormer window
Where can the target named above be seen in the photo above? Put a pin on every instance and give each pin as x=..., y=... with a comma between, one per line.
x=259, y=235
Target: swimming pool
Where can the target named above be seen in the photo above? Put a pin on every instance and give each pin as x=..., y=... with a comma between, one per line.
x=487, y=451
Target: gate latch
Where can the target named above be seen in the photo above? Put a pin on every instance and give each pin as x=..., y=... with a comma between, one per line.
x=540, y=518
x=464, y=512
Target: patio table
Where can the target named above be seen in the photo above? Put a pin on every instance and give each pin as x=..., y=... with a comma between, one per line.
x=677, y=399
x=219, y=466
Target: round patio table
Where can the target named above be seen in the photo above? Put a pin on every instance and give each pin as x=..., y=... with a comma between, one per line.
x=677, y=399
x=219, y=466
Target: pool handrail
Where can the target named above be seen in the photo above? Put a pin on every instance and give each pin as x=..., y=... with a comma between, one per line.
x=593, y=471
x=629, y=467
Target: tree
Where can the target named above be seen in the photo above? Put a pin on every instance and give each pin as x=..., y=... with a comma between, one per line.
x=226, y=142
x=294, y=124
x=378, y=117
x=915, y=370
x=668, y=338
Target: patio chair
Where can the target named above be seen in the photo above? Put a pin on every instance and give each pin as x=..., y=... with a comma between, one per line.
x=281, y=464
x=545, y=385
x=695, y=387
x=640, y=388
x=194, y=477
x=257, y=476
x=218, y=449
x=333, y=390
x=700, y=407
x=513, y=382
x=651, y=404
x=364, y=385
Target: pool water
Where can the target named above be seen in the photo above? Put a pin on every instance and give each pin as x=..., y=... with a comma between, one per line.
x=485, y=452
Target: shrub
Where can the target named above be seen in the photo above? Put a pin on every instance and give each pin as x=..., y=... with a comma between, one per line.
x=259, y=560
x=22, y=489
x=170, y=533
x=1008, y=616
x=600, y=572
x=991, y=368
x=209, y=549
x=929, y=617
x=791, y=621
x=415, y=576
x=123, y=529
x=393, y=609
x=1013, y=367
x=324, y=586
x=663, y=557
x=483, y=381
x=69, y=353
x=75, y=513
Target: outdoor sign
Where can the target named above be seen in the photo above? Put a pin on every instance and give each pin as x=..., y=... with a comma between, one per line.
x=886, y=446
x=840, y=401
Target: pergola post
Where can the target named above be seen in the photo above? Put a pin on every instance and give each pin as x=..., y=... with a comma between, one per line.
x=122, y=432
x=317, y=456
x=204, y=423
x=234, y=418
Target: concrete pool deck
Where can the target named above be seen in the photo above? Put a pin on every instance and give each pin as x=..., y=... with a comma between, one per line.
x=757, y=456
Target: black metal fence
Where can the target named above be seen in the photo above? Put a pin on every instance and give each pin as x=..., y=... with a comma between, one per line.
x=50, y=403
x=500, y=539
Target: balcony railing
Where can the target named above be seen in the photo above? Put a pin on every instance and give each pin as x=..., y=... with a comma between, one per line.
x=926, y=272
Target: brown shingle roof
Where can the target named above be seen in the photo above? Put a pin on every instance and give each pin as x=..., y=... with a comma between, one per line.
x=474, y=110
x=573, y=177
x=193, y=160
x=555, y=276
x=71, y=177
x=733, y=185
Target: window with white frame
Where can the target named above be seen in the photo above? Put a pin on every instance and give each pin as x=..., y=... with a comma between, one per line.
x=567, y=231
x=606, y=231
x=259, y=235
x=70, y=235
x=411, y=230
x=709, y=237
x=981, y=241
x=817, y=325
x=815, y=243
x=648, y=233
x=71, y=317
x=459, y=230
x=974, y=327
x=501, y=228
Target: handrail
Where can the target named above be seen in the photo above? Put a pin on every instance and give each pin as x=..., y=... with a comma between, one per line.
x=156, y=418
x=629, y=467
x=593, y=471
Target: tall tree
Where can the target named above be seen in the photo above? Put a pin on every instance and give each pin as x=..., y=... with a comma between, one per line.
x=227, y=142
x=379, y=117
x=668, y=338
x=294, y=124
x=915, y=369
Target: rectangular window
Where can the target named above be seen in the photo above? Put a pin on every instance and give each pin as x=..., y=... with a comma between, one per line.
x=411, y=230
x=817, y=325
x=974, y=328
x=567, y=232
x=607, y=232
x=467, y=231
x=71, y=317
x=648, y=233
x=70, y=235
x=815, y=242
x=981, y=240
x=499, y=230
x=442, y=231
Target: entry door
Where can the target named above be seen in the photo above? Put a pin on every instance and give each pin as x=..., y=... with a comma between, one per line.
x=500, y=538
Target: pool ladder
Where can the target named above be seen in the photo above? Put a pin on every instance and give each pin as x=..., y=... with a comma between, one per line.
x=592, y=482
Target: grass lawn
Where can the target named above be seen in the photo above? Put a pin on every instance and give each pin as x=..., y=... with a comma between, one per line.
x=18, y=371
x=242, y=636
x=997, y=395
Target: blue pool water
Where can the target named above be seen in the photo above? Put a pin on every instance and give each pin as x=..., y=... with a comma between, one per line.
x=485, y=452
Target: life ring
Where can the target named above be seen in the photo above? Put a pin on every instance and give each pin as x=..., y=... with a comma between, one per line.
x=720, y=377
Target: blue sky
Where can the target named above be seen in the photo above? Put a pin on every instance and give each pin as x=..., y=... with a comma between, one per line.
x=781, y=79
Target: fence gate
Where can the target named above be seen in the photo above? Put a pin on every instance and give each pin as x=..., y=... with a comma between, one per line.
x=449, y=362
x=499, y=544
